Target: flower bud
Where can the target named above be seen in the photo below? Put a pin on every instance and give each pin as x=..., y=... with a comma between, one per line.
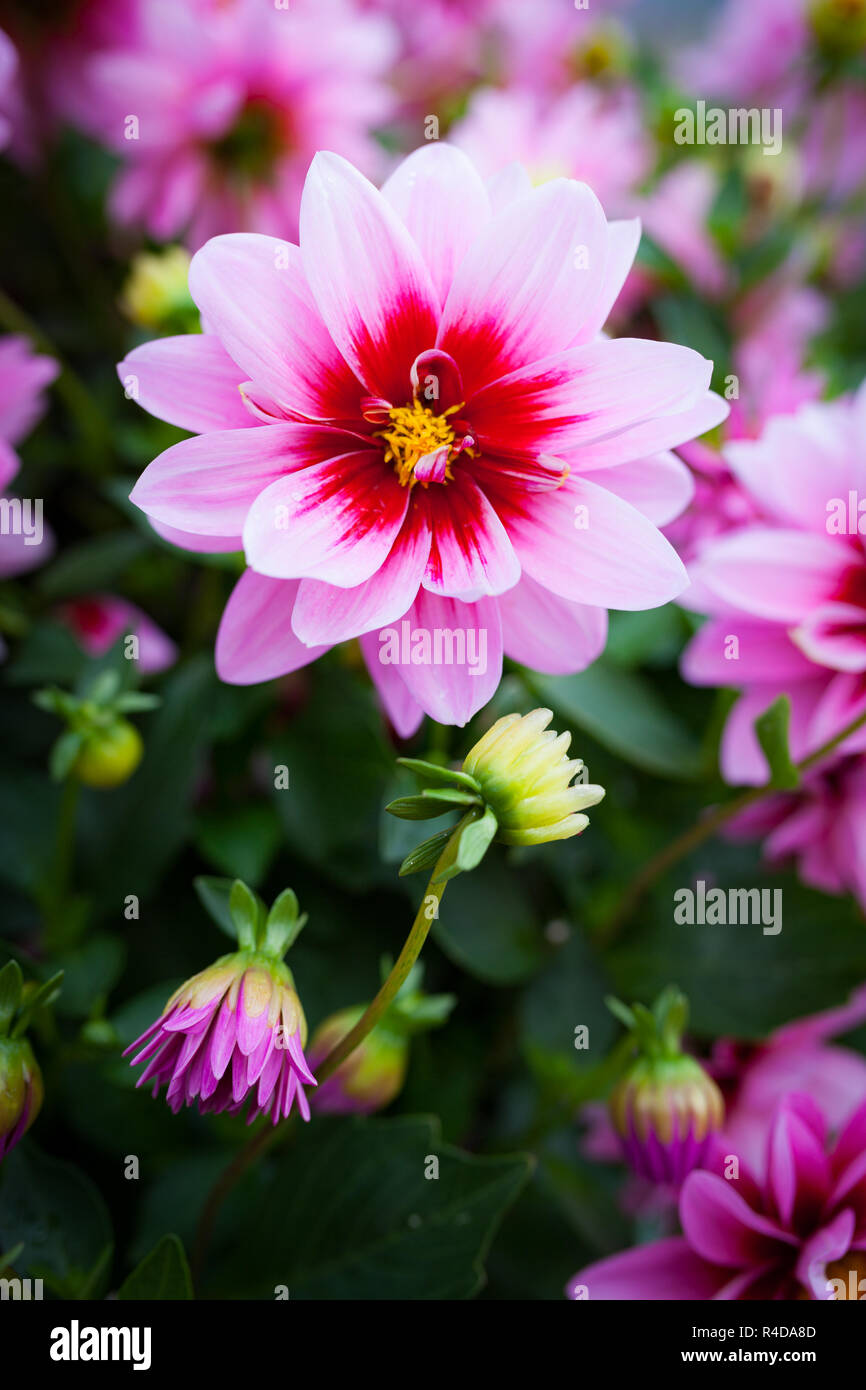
x=370, y=1077
x=21, y=1091
x=156, y=294
x=234, y=1034
x=374, y=1073
x=524, y=775
x=666, y=1108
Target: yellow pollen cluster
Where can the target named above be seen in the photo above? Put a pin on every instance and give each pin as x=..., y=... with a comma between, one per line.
x=415, y=431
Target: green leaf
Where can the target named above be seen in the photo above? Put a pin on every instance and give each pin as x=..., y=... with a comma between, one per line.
x=351, y=1212
x=771, y=729
x=161, y=1275
x=240, y=840
x=60, y=1218
x=623, y=712
x=424, y=856
x=475, y=840
x=416, y=808
x=214, y=895
x=11, y=984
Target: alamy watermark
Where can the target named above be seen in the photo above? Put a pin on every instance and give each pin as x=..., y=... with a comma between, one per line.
x=700, y=906
x=736, y=126
x=22, y=516
x=438, y=646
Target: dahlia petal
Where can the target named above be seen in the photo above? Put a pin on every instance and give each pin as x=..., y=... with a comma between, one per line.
x=763, y=652
x=441, y=198
x=202, y=545
x=663, y=1271
x=188, y=380
x=585, y=544
x=548, y=633
x=367, y=276
x=255, y=641
x=470, y=552
x=770, y=573
x=652, y=436
x=399, y=703
x=798, y=1171
x=722, y=1227
x=566, y=402
x=451, y=689
x=623, y=239
x=208, y=484
x=255, y=297
x=334, y=521
x=660, y=487
x=830, y=1243
x=326, y=614
x=526, y=284
x=834, y=635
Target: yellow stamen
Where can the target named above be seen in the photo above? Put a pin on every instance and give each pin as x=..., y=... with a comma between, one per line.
x=415, y=431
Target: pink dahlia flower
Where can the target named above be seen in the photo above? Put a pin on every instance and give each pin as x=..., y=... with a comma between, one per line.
x=796, y=1230
x=796, y=1057
x=587, y=133
x=217, y=108
x=413, y=426
x=233, y=1034
x=23, y=378
x=820, y=827
x=776, y=326
x=787, y=596
x=98, y=620
x=800, y=1056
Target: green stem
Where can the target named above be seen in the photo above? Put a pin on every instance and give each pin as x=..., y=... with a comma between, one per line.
x=266, y=1137
x=696, y=835
x=64, y=848
x=420, y=930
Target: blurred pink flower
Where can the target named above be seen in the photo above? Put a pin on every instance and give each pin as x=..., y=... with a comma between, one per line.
x=23, y=378
x=820, y=827
x=430, y=431
x=217, y=107
x=538, y=46
x=782, y=1232
x=676, y=215
x=787, y=596
x=777, y=324
x=587, y=133
x=753, y=1078
x=754, y=52
x=98, y=620
x=796, y=1057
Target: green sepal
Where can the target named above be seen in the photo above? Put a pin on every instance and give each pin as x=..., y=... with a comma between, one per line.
x=415, y=808
x=248, y=913
x=475, y=840
x=771, y=729
x=433, y=772
x=64, y=752
x=39, y=999
x=425, y=855
x=284, y=924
